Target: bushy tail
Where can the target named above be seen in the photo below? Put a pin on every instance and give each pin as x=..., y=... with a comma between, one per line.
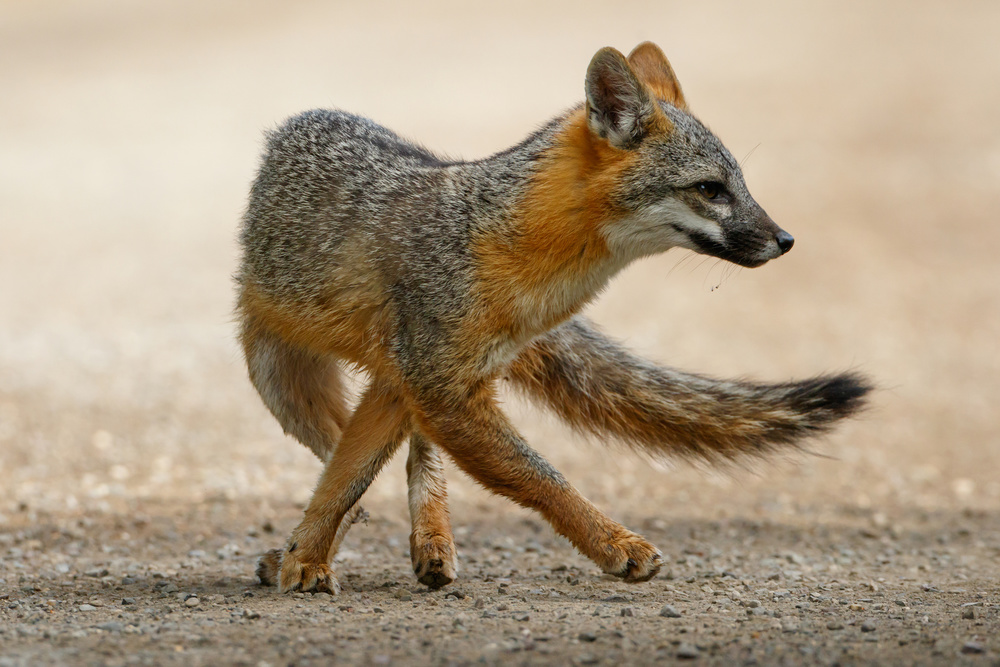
x=598, y=386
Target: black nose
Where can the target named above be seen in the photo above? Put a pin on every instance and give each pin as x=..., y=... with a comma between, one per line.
x=785, y=241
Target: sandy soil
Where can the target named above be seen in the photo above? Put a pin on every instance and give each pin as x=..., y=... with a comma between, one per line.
x=140, y=476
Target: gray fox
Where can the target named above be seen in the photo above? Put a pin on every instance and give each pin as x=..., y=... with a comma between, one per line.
x=438, y=278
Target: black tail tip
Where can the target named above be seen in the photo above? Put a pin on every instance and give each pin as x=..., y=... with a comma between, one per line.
x=836, y=396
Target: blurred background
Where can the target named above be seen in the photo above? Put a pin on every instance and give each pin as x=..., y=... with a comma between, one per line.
x=129, y=133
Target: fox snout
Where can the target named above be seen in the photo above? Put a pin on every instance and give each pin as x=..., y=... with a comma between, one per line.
x=754, y=244
x=747, y=243
x=782, y=239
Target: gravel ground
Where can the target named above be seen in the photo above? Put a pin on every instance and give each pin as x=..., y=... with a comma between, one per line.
x=171, y=584
x=140, y=477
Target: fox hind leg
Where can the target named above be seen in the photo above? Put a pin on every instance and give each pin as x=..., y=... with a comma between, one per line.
x=305, y=393
x=432, y=546
x=378, y=426
x=303, y=390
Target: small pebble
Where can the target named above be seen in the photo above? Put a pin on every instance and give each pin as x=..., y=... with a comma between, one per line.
x=788, y=625
x=127, y=601
x=973, y=648
x=192, y=602
x=834, y=625
x=687, y=651
x=627, y=611
x=251, y=614
x=668, y=611
x=587, y=637
x=969, y=614
x=617, y=598
x=868, y=626
x=87, y=607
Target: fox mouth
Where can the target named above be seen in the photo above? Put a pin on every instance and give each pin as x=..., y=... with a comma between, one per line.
x=749, y=252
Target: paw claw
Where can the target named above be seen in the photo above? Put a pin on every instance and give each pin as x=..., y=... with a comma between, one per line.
x=642, y=562
x=267, y=567
x=435, y=561
x=435, y=580
x=295, y=576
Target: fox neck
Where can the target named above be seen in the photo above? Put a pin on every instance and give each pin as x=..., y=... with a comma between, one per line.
x=549, y=257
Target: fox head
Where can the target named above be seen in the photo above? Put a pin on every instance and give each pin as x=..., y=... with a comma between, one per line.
x=678, y=184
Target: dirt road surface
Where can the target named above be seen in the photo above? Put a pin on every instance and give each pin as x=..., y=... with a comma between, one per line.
x=140, y=476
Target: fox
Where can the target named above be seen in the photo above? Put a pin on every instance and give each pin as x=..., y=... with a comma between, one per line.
x=438, y=279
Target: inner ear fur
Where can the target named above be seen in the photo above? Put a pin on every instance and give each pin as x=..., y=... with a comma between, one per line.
x=620, y=107
x=652, y=67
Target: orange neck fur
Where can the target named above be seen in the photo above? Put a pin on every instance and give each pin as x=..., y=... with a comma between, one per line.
x=552, y=257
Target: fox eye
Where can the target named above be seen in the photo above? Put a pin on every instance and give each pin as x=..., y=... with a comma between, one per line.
x=711, y=189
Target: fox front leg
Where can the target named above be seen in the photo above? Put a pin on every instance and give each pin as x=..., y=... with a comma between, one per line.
x=432, y=546
x=481, y=441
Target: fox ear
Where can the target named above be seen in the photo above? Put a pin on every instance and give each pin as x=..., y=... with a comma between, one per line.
x=619, y=106
x=653, y=69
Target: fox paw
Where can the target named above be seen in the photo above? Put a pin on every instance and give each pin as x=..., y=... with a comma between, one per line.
x=294, y=575
x=638, y=559
x=435, y=559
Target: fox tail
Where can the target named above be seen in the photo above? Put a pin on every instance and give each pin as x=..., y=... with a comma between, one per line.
x=597, y=386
